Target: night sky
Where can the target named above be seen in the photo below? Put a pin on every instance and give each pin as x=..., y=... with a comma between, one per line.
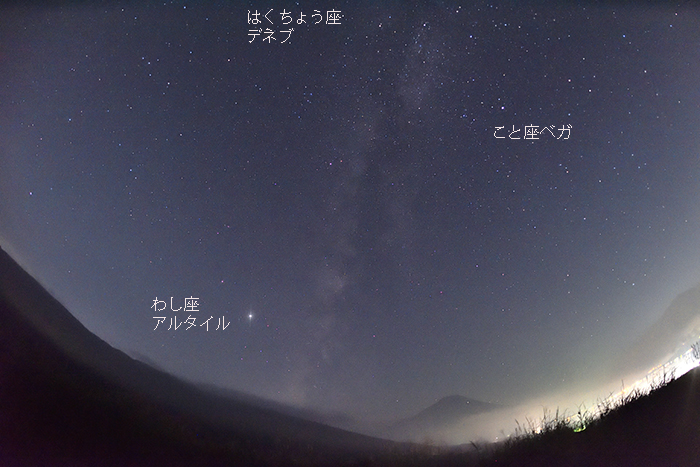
x=361, y=204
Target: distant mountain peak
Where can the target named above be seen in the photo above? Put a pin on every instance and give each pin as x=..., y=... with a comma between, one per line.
x=439, y=417
x=454, y=407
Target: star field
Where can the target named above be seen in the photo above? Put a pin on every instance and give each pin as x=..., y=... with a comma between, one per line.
x=346, y=200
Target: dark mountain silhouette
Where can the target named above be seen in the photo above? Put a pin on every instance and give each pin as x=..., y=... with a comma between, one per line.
x=442, y=417
x=449, y=410
x=679, y=322
x=68, y=398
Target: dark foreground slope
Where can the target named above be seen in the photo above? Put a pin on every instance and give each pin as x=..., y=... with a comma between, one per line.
x=661, y=429
x=658, y=429
x=68, y=398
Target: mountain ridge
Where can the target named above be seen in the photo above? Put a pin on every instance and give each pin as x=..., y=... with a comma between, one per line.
x=66, y=392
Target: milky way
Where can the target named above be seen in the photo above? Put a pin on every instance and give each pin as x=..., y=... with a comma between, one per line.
x=485, y=200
